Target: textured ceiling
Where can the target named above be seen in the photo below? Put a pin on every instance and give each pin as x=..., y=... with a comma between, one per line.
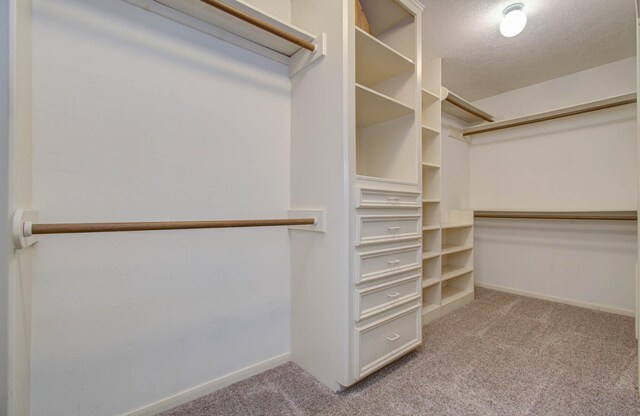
x=561, y=37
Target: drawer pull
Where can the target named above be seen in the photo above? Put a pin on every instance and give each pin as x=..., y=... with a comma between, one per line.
x=393, y=337
x=393, y=262
x=393, y=198
x=393, y=295
x=393, y=228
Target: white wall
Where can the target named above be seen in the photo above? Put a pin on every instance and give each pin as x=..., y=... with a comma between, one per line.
x=586, y=162
x=139, y=118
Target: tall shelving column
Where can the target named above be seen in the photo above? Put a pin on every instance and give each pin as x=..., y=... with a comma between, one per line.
x=431, y=191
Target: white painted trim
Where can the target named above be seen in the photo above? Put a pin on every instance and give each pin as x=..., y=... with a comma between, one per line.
x=209, y=387
x=588, y=305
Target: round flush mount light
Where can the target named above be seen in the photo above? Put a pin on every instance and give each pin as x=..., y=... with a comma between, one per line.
x=514, y=20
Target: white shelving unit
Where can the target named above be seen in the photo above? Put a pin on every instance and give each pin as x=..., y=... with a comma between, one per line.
x=356, y=310
x=447, y=260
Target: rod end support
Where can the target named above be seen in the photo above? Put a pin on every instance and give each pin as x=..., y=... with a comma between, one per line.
x=319, y=215
x=21, y=228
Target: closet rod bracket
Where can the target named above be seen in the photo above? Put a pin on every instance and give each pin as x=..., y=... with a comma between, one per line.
x=320, y=226
x=303, y=58
x=21, y=228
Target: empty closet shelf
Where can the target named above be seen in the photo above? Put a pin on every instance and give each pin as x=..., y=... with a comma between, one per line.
x=450, y=249
x=429, y=255
x=451, y=271
x=373, y=107
x=376, y=62
x=452, y=293
x=429, y=281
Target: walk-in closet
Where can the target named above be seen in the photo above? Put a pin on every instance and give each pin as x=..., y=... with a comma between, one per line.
x=319, y=207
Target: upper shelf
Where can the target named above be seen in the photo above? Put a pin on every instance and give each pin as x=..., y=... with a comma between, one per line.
x=210, y=20
x=384, y=14
x=460, y=108
x=376, y=61
x=429, y=98
x=554, y=114
x=373, y=107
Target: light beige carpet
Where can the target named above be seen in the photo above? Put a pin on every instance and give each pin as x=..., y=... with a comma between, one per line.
x=500, y=355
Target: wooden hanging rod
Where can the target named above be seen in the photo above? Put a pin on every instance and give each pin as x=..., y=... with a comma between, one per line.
x=577, y=215
x=30, y=229
x=260, y=24
x=553, y=115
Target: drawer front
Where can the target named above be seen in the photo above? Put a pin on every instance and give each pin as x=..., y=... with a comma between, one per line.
x=374, y=265
x=383, y=297
x=376, y=229
x=382, y=198
x=383, y=341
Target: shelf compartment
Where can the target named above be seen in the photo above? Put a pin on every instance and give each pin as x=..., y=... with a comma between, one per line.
x=428, y=282
x=430, y=271
x=456, y=288
x=374, y=108
x=429, y=98
x=387, y=151
x=392, y=24
x=431, y=201
x=430, y=165
x=377, y=62
x=431, y=298
x=431, y=215
x=452, y=226
x=214, y=22
x=452, y=249
x=451, y=271
x=431, y=147
x=457, y=237
x=430, y=255
x=431, y=184
x=430, y=228
x=431, y=241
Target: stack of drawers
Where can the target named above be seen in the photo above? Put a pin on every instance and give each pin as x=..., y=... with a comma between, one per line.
x=387, y=275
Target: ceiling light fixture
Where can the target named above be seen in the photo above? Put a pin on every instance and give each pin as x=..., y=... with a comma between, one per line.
x=514, y=20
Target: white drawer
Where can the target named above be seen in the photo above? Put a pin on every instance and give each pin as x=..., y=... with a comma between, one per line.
x=373, y=265
x=383, y=198
x=380, y=298
x=383, y=341
x=376, y=229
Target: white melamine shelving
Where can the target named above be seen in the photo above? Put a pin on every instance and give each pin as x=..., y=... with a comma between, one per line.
x=373, y=107
x=210, y=20
x=389, y=63
x=451, y=271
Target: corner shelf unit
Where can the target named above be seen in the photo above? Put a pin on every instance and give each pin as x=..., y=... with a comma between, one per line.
x=447, y=238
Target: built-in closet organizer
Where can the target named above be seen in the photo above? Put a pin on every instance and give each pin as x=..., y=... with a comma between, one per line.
x=447, y=232
x=356, y=128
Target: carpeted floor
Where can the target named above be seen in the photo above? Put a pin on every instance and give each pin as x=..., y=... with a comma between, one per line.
x=500, y=355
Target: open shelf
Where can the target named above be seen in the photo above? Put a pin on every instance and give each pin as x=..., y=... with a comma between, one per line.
x=373, y=107
x=450, y=271
x=376, y=62
x=430, y=165
x=429, y=255
x=452, y=293
x=214, y=22
x=452, y=248
x=431, y=228
x=429, y=98
x=451, y=226
x=430, y=130
x=430, y=281
x=390, y=22
x=430, y=298
x=430, y=201
x=462, y=109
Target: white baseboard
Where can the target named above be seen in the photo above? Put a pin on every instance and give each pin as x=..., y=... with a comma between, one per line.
x=209, y=387
x=594, y=306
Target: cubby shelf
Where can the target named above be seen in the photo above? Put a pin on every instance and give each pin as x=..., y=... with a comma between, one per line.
x=451, y=249
x=430, y=130
x=373, y=107
x=430, y=165
x=451, y=271
x=452, y=293
x=429, y=98
x=430, y=227
x=450, y=226
x=426, y=308
x=429, y=255
x=377, y=62
x=429, y=281
x=431, y=201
